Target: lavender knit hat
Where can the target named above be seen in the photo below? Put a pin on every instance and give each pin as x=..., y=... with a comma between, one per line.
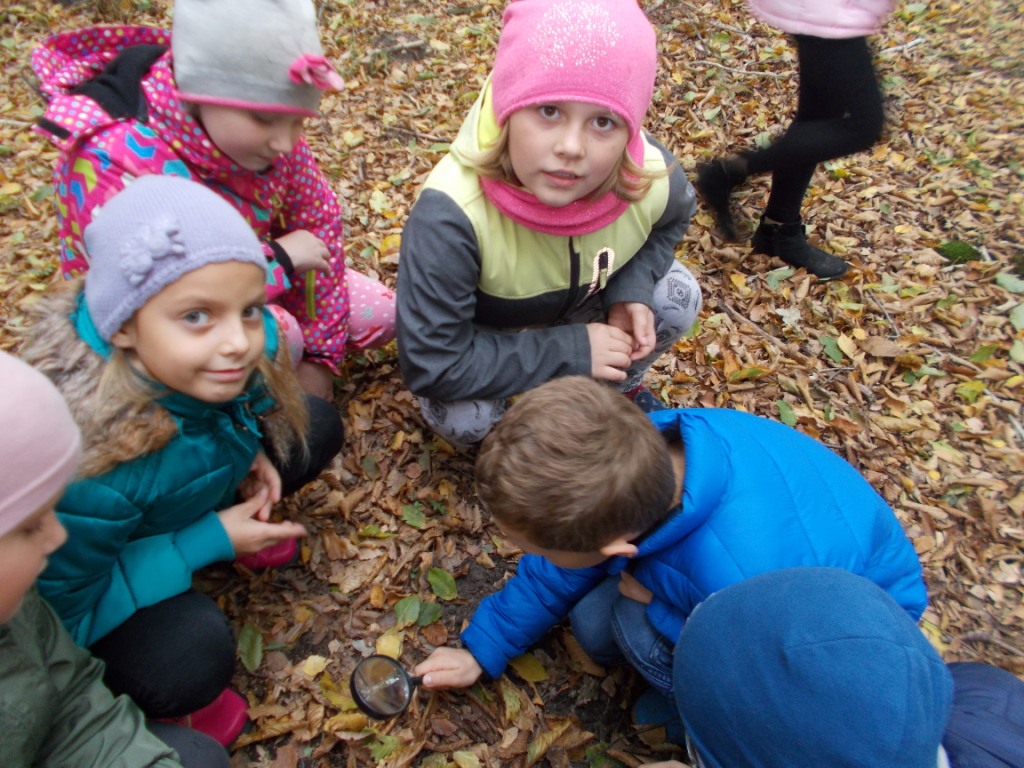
x=153, y=232
x=595, y=51
x=41, y=447
x=251, y=54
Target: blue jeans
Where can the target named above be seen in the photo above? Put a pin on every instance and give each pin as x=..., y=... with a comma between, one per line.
x=612, y=628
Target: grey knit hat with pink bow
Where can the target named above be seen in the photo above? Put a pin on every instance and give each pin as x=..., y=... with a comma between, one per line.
x=153, y=232
x=250, y=54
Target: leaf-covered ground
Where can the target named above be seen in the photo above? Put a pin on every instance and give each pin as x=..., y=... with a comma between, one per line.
x=910, y=367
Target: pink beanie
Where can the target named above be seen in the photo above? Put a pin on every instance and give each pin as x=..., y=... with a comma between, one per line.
x=41, y=444
x=595, y=51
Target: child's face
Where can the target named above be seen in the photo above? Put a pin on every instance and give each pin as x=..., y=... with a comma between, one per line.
x=562, y=152
x=203, y=334
x=23, y=553
x=252, y=139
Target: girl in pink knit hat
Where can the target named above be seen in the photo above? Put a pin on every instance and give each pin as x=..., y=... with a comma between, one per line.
x=543, y=244
x=221, y=99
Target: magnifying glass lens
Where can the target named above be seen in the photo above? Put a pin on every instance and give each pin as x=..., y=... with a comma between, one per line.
x=381, y=687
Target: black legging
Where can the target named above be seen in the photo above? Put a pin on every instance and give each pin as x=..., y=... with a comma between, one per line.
x=839, y=112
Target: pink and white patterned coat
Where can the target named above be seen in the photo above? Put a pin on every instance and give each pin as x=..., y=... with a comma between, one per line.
x=100, y=155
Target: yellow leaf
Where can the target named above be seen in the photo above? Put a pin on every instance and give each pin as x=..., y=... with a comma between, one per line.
x=347, y=721
x=464, y=759
x=846, y=344
x=529, y=668
x=390, y=643
x=314, y=665
x=10, y=188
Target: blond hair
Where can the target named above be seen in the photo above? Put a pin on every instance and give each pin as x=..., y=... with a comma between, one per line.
x=573, y=465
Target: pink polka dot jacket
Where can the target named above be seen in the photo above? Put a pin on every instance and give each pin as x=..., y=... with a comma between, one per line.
x=114, y=113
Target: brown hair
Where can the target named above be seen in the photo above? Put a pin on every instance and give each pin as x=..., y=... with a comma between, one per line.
x=573, y=465
x=628, y=181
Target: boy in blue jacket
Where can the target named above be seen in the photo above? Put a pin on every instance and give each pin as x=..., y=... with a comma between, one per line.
x=629, y=521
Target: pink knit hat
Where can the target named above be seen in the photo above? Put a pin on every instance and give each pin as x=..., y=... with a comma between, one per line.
x=41, y=444
x=594, y=51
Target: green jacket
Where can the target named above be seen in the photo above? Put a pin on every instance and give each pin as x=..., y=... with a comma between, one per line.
x=55, y=710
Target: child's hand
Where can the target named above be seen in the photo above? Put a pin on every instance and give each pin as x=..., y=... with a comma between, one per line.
x=449, y=668
x=249, y=534
x=262, y=474
x=306, y=250
x=609, y=351
x=637, y=320
x=633, y=589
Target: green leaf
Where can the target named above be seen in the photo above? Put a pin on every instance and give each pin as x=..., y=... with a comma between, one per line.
x=958, y=252
x=970, y=391
x=1010, y=283
x=1017, y=351
x=748, y=374
x=250, y=647
x=776, y=276
x=831, y=347
x=786, y=413
x=529, y=668
x=598, y=757
x=407, y=611
x=384, y=746
x=370, y=467
x=1017, y=317
x=413, y=515
x=442, y=583
x=429, y=613
x=984, y=353
x=374, y=531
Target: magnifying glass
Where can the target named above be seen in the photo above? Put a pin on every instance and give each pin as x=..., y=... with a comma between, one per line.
x=381, y=687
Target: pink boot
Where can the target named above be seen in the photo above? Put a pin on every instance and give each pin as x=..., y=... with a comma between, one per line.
x=222, y=719
x=283, y=553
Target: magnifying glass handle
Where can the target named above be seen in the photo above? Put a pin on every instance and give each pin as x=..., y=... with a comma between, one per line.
x=415, y=679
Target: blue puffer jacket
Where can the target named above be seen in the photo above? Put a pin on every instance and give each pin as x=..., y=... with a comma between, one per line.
x=758, y=496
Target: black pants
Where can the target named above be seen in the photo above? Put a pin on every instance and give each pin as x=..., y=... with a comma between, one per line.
x=177, y=656
x=839, y=112
x=195, y=750
x=324, y=440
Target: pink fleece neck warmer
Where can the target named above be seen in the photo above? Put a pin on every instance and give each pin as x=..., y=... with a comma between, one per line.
x=592, y=51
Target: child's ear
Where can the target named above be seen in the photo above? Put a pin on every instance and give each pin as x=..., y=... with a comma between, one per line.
x=621, y=547
x=125, y=337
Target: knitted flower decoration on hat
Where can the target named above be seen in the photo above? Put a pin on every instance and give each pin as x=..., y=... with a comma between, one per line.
x=600, y=52
x=41, y=447
x=250, y=54
x=153, y=232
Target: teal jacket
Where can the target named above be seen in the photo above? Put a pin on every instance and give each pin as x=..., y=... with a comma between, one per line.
x=55, y=711
x=139, y=529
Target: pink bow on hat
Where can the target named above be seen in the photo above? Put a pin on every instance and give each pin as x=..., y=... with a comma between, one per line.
x=315, y=69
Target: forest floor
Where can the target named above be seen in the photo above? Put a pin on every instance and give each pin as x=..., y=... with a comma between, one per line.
x=911, y=367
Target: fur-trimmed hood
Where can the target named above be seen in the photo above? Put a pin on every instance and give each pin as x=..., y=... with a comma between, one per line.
x=115, y=427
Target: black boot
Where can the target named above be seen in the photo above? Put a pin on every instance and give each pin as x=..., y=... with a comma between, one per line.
x=789, y=243
x=715, y=180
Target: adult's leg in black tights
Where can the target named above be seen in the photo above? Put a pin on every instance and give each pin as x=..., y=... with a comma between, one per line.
x=324, y=439
x=171, y=658
x=839, y=112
